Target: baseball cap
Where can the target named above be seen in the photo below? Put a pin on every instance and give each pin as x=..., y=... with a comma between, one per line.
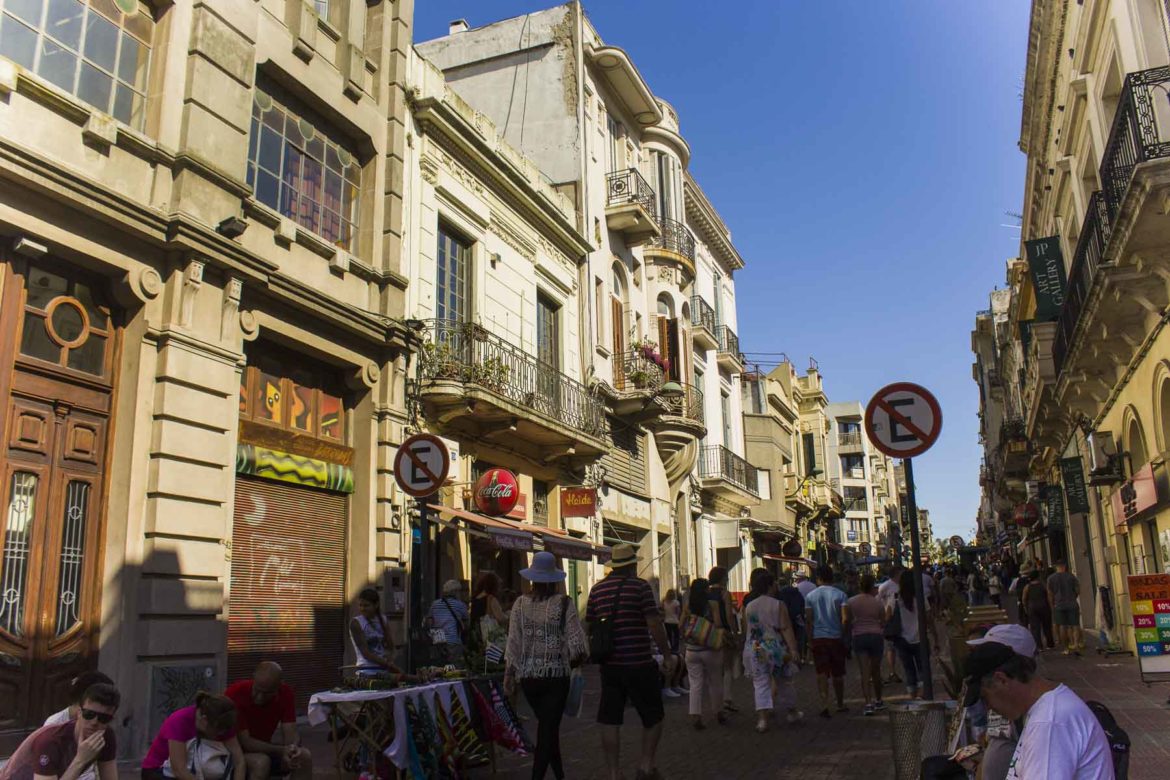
x=1015, y=636
x=984, y=659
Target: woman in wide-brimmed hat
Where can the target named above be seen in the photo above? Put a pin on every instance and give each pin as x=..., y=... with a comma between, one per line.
x=545, y=642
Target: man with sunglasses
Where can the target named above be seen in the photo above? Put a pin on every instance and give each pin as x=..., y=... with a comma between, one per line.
x=263, y=704
x=66, y=751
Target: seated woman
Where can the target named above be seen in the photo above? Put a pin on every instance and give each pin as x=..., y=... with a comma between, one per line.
x=372, y=643
x=197, y=742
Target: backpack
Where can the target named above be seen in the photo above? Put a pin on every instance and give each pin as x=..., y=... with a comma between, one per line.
x=1118, y=738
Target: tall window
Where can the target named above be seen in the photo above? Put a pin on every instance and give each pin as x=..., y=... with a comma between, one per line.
x=452, y=277
x=725, y=402
x=547, y=331
x=297, y=166
x=96, y=50
x=718, y=285
x=614, y=157
x=667, y=170
x=853, y=466
x=618, y=309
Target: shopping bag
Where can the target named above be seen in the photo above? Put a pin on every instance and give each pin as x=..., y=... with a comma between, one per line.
x=576, y=698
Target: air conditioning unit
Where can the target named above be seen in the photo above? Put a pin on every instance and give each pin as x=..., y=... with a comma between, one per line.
x=1104, y=465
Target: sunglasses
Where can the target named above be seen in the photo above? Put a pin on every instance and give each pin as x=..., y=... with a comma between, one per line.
x=102, y=717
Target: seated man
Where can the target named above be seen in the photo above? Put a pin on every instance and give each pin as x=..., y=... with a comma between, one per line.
x=68, y=750
x=263, y=703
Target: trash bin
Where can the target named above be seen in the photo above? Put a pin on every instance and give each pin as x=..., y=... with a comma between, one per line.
x=918, y=729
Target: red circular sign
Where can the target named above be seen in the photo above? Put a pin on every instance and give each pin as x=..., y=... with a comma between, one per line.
x=497, y=492
x=1027, y=515
x=896, y=430
x=792, y=549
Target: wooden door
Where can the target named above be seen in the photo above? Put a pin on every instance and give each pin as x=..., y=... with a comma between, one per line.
x=57, y=397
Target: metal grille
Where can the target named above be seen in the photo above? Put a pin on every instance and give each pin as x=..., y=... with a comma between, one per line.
x=675, y=238
x=718, y=462
x=628, y=186
x=1088, y=258
x=72, y=555
x=1134, y=137
x=702, y=314
x=688, y=405
x=918, y=730
x=288, y=584
x=728, y=342
x=17, y=535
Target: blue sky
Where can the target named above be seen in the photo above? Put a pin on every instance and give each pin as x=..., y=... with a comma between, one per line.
x=864, y=155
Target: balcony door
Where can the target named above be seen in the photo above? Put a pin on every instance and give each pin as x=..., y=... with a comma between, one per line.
x=548, y=353
x=452, y=277
x=56, y=390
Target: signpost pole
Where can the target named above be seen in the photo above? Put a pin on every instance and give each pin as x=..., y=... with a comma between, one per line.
x=919, y=591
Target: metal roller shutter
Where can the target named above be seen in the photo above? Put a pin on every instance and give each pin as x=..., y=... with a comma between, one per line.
x=288, y=584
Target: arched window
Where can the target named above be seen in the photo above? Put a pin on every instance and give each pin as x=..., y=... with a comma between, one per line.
x=665, y=306
x=1135, y=444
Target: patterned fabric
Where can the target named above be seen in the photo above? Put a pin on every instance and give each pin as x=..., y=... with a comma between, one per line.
x=424, y=747
x=431, y=735
x=537, y=647
x=495, y=728
x=769, y=652
x=471, y=747
x=413, y=760
x=515, y=732
x=450, y=757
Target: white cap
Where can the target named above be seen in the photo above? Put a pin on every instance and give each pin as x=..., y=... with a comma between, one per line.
x=1013, y=635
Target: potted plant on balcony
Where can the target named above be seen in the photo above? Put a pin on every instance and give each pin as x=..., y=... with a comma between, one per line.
x=439, y=361
x=491, y=373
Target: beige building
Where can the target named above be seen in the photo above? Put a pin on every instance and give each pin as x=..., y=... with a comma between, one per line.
x=203, y=355
x=656, y=297
x=1088, y=299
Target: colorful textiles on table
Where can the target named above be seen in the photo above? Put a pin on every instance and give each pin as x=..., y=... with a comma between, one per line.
x=470, y=745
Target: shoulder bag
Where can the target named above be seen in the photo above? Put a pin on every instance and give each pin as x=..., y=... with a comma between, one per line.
x=601, y=631
x=701, y=631
x=892, y=630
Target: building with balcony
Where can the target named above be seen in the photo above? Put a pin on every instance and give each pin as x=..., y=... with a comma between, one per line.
x=855, y=465
x=1089, y=298
x=203, y=358
x=655, y=295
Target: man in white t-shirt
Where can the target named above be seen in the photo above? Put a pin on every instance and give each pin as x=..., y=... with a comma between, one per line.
x=1062, y=739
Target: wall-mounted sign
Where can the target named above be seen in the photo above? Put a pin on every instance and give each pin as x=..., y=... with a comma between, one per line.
x=1076, y=496
x=1026, y=514
x=1149, y=603
x=520, y=511
x=497, y=492
x=578, y=502
x=1136, y=497
x=1046, y=263
x=1054, y=503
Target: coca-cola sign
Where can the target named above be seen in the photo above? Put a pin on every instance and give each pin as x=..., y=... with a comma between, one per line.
x=497, y=492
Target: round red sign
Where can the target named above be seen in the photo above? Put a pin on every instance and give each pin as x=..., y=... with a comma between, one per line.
x=1027, y=515
x=497, y=492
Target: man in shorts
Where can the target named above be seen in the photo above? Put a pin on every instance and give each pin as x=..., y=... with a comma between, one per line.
x=823, y=612
x=1064, y=591
x=629, y=672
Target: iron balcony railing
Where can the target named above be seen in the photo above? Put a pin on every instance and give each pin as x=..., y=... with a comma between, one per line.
x=702, y=314
x=688, y=404
x=675, y=238
x=628, y=187
x=728, y=341
x=856, y=505
x=1087, y=260
x=637, y=370
x=718, y=462
x=468, y=353
x=849, y=438
x=1134, y=137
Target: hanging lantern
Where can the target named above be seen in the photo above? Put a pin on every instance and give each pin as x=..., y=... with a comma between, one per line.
x=497, y=492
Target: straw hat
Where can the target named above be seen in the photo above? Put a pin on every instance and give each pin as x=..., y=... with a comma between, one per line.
x=622, y=555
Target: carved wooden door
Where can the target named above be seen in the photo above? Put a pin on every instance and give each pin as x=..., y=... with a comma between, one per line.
x=55, y=386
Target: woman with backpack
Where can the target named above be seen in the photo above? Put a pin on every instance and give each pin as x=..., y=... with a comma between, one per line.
x=545, y=643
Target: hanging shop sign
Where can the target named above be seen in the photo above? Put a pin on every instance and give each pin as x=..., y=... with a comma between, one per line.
x=792, y=549
x=1076, y=496
x=1026, y=515
x=1047, y=266
x=568, y=548
x=497, y=492
x=578, y=502
x=1054, y=503
x=1136, y=497
x=1149, y=602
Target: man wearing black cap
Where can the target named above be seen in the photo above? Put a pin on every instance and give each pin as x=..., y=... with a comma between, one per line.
x=1062, y=739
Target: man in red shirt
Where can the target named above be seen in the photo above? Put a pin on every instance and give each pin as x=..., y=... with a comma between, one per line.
x=67, y=750
x=262, y=704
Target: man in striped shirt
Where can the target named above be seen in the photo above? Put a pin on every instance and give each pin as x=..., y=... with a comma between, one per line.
x=629, y=671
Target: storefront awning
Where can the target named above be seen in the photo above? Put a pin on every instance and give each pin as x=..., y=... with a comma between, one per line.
x=513, y=535
x=786, y=559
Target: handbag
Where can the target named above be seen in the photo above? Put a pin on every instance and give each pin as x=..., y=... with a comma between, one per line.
x=207, y=759
x=573, y=704
x=601, y=631
x=892, y=630
x=698, y=630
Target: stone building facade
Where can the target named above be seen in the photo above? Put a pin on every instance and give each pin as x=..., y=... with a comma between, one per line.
x=203, y=355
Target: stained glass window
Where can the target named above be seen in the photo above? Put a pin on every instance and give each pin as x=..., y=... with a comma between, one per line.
x=64, y=323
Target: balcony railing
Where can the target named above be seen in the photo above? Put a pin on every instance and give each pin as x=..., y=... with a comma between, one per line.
x=1134, y=137
x=468, y=353
x=636, y=370
x=718, y=462
x=628, y=187
x=1086, y=263
x=688, y=405
x=675, y=238
x=849, y=438
x=728, y=341
x=702, y=314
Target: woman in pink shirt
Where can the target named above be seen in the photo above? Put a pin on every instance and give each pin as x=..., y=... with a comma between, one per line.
x=211, y=719
x=863, y=617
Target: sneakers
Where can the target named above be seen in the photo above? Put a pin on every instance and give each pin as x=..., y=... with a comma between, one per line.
x=869, y=710
x=795, y=716
x=730, y=707
x=879, y=705
x=670, y=693
x=761, y=726
x=680, y=691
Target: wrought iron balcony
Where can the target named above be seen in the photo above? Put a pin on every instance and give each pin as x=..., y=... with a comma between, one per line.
x=703, y=323
x=630, y=206
x=1087, y=260
x=719, y=464
x=688, y=405
x=1135, y=136
x=637, y=370
x=729, y=356
x=849, y=438
x=518, y=386
x=675, y=239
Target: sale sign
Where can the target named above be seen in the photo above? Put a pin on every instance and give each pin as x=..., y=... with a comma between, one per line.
x=1149, y=602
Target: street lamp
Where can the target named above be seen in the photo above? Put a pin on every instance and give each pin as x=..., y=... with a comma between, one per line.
x=808, y=478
